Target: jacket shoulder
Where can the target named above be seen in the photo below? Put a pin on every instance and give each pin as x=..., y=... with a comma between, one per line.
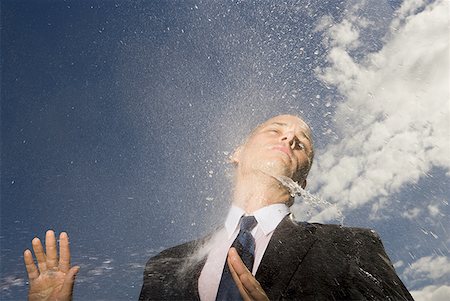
x=335, y=230
x=172, y=274
x=177, y=251
x=355, y=258
x=348, y=242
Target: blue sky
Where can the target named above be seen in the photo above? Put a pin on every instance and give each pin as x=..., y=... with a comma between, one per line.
x=117, y=119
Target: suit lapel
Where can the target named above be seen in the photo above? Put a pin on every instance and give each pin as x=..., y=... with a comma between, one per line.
x=192, y=280
x=288, y=246
x=196, y=268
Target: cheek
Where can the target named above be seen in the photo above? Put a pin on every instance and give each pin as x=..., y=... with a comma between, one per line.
x=254, y=148
x=302, y=161
x=249, y=155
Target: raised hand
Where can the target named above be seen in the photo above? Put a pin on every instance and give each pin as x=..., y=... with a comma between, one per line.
x=53, y=279
x=247, y=284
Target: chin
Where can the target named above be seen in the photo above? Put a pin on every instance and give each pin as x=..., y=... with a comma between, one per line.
x=275, y=168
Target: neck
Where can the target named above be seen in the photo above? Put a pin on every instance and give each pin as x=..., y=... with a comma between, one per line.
x=257, y=190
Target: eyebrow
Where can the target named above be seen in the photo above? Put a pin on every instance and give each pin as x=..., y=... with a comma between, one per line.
x=285, y=124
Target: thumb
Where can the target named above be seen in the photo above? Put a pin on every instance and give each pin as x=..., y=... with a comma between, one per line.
x=67, y=287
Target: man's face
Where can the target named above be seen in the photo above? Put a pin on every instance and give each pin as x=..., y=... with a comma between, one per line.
x=280, y=146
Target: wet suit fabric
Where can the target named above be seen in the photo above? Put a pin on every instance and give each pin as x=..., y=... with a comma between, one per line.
x=303, y=261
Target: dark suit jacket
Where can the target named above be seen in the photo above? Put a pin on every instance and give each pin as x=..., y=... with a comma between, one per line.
x=302, y=262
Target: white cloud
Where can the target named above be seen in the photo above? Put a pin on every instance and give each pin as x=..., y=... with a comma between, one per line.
x=395, y=122
x=412, y=213
x=433, y=209
x=9, y=282
x=323, y=23
x=408, y=8
x=399, y=264
x=346, y=35
x=432, y=293
x=429, y=267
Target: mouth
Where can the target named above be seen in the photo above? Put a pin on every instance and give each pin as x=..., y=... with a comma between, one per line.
x=283, y=149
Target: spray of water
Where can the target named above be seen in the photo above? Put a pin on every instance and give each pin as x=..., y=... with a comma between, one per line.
x=204, y=247
x=296, y=190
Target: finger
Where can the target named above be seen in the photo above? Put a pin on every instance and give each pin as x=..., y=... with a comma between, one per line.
x=64, y=252
x=40, y=255
x=237, y=263
x=32, y=270
x=237, y=280
x=253, y=288
x=50, y=247
x=67, y=287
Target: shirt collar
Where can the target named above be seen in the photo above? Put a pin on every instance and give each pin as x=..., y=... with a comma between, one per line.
x=270, y=216
x=233, y=218
x=267, y=217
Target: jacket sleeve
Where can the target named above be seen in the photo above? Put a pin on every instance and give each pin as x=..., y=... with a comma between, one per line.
x=371, y=275
x=157, y=278
x=171, y=276
x=346, y=264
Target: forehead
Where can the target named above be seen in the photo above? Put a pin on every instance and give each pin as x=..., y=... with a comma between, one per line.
x=287, y=121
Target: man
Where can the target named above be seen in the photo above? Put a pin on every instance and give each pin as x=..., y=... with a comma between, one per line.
x=271, y=257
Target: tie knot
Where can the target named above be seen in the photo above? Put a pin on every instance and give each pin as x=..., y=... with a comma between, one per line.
x=248, y=223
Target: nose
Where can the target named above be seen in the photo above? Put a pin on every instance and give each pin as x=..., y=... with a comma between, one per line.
x=289, y=137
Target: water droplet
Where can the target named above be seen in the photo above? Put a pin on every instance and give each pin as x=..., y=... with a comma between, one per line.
x=295, y=189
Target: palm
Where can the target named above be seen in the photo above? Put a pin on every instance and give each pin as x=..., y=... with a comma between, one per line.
x=54, y=279
x=47, y=286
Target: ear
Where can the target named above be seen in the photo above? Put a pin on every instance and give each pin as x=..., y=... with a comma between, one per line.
x=235, y=158
x=303, y=184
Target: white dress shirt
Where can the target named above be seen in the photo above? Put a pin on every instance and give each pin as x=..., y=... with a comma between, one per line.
x=268, y=219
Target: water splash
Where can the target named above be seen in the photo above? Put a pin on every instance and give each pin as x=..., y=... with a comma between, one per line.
x=296, y=190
